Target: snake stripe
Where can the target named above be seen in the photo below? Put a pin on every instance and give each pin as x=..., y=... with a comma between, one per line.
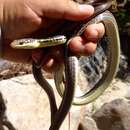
x=30, y=43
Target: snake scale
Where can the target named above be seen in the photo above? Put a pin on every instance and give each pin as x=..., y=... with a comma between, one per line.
x=71, y=62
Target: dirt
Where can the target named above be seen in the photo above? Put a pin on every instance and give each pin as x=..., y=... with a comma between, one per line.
x=11, y=69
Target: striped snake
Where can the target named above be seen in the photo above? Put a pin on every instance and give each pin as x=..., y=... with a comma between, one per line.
x=70, y=69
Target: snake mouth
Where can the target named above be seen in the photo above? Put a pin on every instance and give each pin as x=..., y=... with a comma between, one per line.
x=29, y=44
x=24, y=43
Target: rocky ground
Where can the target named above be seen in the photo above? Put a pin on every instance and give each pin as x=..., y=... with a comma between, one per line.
x=24, y=106
x=11, y=69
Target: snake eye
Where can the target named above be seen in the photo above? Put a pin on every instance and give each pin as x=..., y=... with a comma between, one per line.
x=21, y=43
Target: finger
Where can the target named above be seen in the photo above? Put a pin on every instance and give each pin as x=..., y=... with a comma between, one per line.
x=94, y=32
x=66, y=9
x=48, y=59
x=49, y=66
x=74, y=11
x=80, y=46
x=37, y=55
x=55, y=59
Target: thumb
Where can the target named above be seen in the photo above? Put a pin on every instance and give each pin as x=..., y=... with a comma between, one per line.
x=67, y=9
x=76, y=11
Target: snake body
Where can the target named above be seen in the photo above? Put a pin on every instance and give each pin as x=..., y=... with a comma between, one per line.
x=71, y=62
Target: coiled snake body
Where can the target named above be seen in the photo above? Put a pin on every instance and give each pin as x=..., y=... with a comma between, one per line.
x=67, y=90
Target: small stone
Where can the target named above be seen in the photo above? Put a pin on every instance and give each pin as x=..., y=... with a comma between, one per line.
x=87, y=123
x=127, y=96
x=113, y=116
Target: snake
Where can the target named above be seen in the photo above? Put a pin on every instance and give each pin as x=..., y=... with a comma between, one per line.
x=70, y=68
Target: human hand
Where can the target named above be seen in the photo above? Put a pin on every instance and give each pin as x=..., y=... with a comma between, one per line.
x=21, y=19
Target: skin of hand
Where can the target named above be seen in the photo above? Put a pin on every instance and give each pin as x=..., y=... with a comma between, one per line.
x=22, y=18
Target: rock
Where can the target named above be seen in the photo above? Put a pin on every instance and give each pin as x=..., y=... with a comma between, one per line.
x=127, y=96
x=113, y=116
x=4, y=64
x=10, y=69
x=26, y=106
x=87, y=123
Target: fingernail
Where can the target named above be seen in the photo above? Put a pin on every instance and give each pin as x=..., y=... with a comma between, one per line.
x=86, y=8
